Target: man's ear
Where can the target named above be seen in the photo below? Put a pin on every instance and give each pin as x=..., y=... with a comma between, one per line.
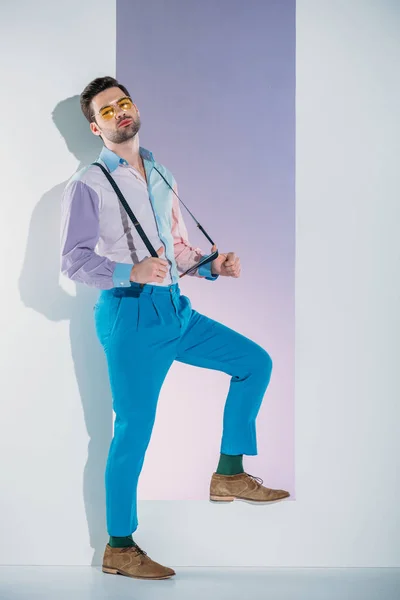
x=95, y=129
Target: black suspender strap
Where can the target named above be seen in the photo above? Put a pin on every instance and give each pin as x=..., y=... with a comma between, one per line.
x=203, y=231
x=126, y=206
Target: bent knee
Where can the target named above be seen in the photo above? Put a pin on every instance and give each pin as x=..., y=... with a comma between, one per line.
x=261, y=362
x=265, y=360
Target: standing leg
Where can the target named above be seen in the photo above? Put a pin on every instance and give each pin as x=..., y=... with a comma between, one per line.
x=139, y=354
x=207, y=343
x=135, y=386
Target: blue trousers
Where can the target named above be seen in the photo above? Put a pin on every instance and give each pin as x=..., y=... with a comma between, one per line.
x=143, y=329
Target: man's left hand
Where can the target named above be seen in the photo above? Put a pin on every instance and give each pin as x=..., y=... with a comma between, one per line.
x=227, y=265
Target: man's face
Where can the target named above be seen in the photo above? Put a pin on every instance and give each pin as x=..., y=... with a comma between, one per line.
x=124, y=123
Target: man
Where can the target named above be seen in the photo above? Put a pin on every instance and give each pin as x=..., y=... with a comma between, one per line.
x=144, y=323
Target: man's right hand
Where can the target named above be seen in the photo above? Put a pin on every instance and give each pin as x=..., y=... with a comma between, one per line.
x=150, y=269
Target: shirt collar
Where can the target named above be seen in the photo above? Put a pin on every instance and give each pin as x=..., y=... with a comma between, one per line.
x=112, y=160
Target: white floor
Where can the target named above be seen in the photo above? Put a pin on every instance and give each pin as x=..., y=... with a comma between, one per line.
x=79, y=583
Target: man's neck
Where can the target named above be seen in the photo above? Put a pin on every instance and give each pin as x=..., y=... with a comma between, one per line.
x=129, y=150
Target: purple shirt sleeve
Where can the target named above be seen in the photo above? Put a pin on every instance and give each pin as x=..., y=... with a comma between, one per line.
x=79, y=237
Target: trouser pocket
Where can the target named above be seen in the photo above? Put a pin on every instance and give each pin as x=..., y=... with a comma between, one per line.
x=106, y=315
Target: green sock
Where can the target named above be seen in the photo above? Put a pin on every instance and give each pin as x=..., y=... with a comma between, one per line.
x=230, y=464
x=121, y=542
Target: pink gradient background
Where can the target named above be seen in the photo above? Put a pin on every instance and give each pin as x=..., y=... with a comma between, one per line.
x=215, y=85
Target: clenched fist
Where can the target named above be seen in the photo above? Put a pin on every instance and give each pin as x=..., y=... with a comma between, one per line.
x=227, y=265
x=150, y=269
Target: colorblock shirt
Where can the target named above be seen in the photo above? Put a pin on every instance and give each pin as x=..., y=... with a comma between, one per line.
x=99, y=243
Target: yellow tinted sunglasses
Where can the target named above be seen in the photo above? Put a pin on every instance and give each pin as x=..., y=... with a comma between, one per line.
x=108, y=112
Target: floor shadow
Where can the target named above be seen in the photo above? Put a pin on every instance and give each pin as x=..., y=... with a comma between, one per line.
x=40, y=291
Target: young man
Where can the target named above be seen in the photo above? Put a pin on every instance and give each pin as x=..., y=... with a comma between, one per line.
x=144, y=323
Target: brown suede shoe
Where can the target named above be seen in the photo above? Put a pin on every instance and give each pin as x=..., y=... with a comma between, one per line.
x=227, y=488
x=133, y=562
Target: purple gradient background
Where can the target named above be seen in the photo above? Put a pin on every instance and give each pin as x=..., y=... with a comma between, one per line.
x=215, y=85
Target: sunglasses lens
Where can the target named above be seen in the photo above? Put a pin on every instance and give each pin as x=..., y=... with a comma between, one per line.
x=107, y=113
x=125, y=103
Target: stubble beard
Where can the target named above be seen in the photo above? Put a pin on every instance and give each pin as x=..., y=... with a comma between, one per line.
x=123, y=134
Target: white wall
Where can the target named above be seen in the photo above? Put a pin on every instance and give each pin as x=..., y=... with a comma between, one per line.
x=348, y=329
x=50, y=51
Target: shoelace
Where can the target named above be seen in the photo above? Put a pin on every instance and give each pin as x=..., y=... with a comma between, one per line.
x=135, y=547
x=257, y=479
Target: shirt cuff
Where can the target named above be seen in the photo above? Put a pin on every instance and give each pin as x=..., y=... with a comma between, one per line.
x=121, y=275
x=205, y=271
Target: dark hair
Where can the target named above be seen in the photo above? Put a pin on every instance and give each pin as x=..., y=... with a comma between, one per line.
x=92, y=89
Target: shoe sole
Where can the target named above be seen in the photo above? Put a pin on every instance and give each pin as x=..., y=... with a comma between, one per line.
x=118, y=572
x=227, y=499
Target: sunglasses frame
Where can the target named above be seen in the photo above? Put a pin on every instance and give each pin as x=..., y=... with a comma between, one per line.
x=111, y=106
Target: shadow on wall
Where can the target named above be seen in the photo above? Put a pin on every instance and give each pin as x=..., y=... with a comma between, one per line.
x=40, y=290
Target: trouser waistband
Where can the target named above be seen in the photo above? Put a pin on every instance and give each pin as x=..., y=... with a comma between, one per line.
x=136, y=289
